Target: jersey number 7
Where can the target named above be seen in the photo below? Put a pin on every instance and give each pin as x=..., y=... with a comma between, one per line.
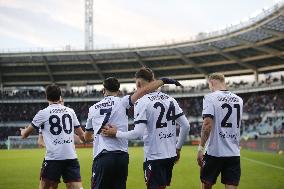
x=107, y=112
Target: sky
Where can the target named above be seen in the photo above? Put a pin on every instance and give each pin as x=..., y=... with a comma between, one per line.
x=55, y=24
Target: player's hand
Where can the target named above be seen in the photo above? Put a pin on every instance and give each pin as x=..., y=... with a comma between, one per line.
x=200, y=158
x=22, y=131
x=178, y=155
x=109, y=130
x=170, y=81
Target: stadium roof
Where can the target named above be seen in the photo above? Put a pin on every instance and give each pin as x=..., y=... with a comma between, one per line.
x=257, y=48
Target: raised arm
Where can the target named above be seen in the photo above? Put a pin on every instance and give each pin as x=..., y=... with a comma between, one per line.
x=152, y=86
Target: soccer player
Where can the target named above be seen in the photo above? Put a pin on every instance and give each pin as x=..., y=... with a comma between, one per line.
x=110, y=164
x=155, y=117
x=57, y=124
x=222, y=114
x=40, y=140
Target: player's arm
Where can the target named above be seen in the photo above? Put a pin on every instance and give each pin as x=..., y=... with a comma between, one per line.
x=205, y=130
x=140, y=121
x=80, y=133
x=37, y=121
x=208, y=116
x=89, y=131
x=89, y=136
x=40, y=141
x=137, y=132
x=152, y=86
x=26, y=131
x=184, y=130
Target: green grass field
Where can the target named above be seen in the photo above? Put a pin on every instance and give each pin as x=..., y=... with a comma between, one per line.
x=20, y=169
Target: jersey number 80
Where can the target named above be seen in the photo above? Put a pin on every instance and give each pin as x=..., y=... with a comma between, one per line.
x=55, y=126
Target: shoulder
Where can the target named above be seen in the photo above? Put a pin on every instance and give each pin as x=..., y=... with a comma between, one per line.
x=209, y=96
x=94, y=106
x=143, y=100
x=70, y=109
x=44, y=111
x=240, y=98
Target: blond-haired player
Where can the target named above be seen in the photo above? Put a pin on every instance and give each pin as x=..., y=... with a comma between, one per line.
x=220, y=135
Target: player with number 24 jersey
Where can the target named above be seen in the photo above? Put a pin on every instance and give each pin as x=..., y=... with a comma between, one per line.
x=159, y=112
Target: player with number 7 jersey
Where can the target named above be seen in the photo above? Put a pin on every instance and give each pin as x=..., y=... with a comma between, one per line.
x=156, y=116
x=110, y=163
x=57, y=123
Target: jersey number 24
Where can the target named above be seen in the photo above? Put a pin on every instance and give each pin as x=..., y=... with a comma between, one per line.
x=170, y=115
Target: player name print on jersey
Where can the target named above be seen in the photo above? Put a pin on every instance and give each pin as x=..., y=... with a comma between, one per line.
x=104, y=104
x=228, y=99
x=159, y=97
x=58, y=111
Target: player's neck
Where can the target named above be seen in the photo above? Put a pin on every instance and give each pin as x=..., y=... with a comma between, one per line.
x=220, y=87
x=53, y=102
x=110, y=94
x=143, y=84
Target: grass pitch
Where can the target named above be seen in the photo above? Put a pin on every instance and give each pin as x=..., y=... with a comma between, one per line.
x=20, y=169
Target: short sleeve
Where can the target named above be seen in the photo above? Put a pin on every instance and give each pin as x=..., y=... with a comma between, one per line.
x=140, y=113
x=208, y=108
x=39, y=131
x=89, y=126
x=178, y=110
x=38, y=120
x=126, y=101
x=76, y=122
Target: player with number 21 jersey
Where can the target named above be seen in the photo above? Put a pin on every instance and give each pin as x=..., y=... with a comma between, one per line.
x=226, y=108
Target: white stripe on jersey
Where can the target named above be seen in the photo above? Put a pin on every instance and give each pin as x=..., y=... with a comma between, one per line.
x=112, y=110
x=57, y=124
x=159, y=112
x=226, y=110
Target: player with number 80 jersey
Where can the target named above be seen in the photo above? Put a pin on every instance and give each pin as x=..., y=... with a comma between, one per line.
x=58, y=123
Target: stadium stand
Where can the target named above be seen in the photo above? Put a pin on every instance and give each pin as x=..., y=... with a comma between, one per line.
x=254, y=48
x=255, y=104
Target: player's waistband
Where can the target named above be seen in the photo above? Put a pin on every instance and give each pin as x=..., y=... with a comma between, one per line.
x=114, y=152
x=103, y=152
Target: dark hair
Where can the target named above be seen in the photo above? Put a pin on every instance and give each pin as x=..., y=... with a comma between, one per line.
x=145, y=73
x=53, y=93
x=111, y=84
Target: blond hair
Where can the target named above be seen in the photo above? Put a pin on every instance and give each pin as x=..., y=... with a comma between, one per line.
x=217, y=76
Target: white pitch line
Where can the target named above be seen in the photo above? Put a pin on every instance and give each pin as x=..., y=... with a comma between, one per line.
x=262, y=163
